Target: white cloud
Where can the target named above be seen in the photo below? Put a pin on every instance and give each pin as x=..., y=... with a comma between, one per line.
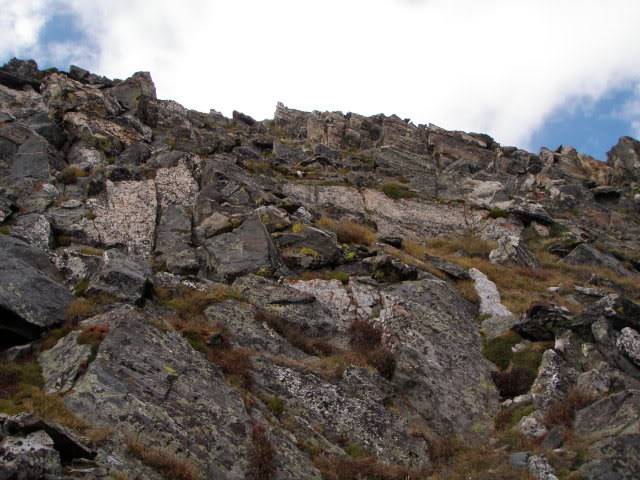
x=631, y=111
x=20, y=22
x=496, y=66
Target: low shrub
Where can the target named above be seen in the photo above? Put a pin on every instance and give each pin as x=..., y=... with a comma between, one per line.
x=513, y=382
x=262, y=464
x=508, y=417
x=497, y=213
x=93, y=336
x=563, y=411
x=397, y=191
x=499, y=350
x=347, y=468
x=79, y=309
x=70, y=175
x=164, y=461
x=443, y=449
x=189, y=303
x=366, y=339
x=234, y=362
x=293, y=334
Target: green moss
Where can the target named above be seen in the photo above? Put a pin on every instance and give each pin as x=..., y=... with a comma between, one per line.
x=342, y=276
x=5, y=230
x=355, y=451
x=309, y=252
x=276, y=405
x=92, y=252
x=15, y=379
x=498, y=213
x=397, y=191
x=350, y=256
x=196, y=341
x=297, y=228
x=81, y=287
x=498, y=350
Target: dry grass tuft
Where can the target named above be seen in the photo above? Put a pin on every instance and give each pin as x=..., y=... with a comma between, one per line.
x=562, y=412
x=348, y=231
x=367, y=341
x=348, y=468
x=261, y=455
x=190, y=303
x=79, y=309
x=235, y=363
x=164, y=461
x=294, y=335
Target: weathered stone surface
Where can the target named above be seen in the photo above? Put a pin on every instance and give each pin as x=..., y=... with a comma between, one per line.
x=629, y=343
x=173, y=241
x=31, y=297
x=62, y=364
x=32, y=456
x=122, y=277
x=126, y=217
x=554, y=379
x=585, y=254
x=245, y=250
x=624, y=157
x=499, y=318
x=542, y=321
x=154, y=384
x=540, y=468
x=34, y=229
x=307, y=247
x=176, y=185
x=531, y=427
x=512, y=250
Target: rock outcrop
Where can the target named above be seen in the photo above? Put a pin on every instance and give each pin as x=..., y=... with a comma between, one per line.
x=320, y=295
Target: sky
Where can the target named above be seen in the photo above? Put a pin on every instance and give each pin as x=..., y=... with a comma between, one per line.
x=531, y=73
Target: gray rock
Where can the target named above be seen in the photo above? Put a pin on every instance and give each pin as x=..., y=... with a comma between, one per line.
x=31, y=456
x=540, y=468
x=617, y=414
x=213, y=225
x=519, y=460
x=554, y=439
x=32, y=159
x=34, y=229
x=624, y=157
x=585, y=254
x=554, y=379
x=62, y=364
x=511, y=249
x=154, y=384
x=451, y=269
x=615, y=458
x=531, y=427
x=542, y=321
x=122, y=277
x=173, y=241
x=308, y=247
x=31, y=297
x=499, y=318
x=629, y=343
x=247, y=249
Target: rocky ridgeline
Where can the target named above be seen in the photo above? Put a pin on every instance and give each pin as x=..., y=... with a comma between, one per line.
x=320, y=295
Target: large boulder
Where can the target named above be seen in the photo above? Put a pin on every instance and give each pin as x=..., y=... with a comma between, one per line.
x=307, y=247
x=585, y=254
x=173, y=247
x=122, y=278
x=31, y=295
x=152, y=383
x=247, y=249
x=542, y=321
x=624, y=157
x=30, y=456
x=497, y=318
x=511, y=249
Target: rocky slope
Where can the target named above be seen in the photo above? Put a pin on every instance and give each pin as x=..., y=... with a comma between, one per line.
x=320, y=295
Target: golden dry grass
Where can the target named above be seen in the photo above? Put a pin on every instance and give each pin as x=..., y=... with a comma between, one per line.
x=164, y=461
x=349, y=231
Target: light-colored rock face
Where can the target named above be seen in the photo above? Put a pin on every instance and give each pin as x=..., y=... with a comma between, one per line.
x=176, y=185
x=629, y=343
x=429, y=329
x=555, y=377
x=127, y=217
x=496, y=317
x=62, y=364
x=32, y=456
x=512, y=249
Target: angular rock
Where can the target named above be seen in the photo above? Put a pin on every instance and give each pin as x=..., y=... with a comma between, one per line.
x=511, y=249
x=173, y=241
x=154, y=384
x=542, y=321
x=555, y=378
x=500, y=319
x=31, y=296
x=32, y=456
x=34, y=229
x=585, y=254
x=629, y=343
x=308, y=247
x=540, y=468
x=531, y=427
x=122, y=277
x=62, y=364
x=247, y=249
